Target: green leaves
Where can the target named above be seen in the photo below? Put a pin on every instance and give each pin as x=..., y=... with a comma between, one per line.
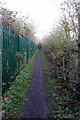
x=58, y=97
x=15, y=97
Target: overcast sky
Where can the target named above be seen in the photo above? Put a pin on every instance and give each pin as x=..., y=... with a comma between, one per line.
x=43, y=12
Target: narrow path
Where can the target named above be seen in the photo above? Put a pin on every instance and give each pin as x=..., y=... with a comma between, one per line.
x=36, y=106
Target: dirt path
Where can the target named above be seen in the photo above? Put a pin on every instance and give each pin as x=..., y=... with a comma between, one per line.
x=36, y=106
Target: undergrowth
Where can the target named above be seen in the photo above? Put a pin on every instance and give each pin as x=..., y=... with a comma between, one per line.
x=58, y=97
x=17, y=95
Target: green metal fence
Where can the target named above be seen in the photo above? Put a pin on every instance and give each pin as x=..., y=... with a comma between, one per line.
x=16, y=50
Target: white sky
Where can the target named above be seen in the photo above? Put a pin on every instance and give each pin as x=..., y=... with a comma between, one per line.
x=43, y=12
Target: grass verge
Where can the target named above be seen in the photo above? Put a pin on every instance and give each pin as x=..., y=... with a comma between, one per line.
x=58, y=97
x=17, y=95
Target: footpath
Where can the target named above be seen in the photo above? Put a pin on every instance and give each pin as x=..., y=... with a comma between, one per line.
x=36, y=106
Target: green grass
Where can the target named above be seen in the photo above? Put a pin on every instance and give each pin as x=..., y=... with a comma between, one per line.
x=17, y=95
x=55, y=97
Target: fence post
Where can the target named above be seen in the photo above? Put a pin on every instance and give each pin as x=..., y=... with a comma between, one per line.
x=27, y=49
x=0, y=63
x=18, y=58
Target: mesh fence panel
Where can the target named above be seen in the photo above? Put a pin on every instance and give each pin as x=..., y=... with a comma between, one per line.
x=16, y=50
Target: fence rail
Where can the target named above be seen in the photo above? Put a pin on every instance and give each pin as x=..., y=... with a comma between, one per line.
x=16, y=51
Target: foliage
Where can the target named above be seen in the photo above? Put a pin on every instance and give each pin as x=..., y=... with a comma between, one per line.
x=64, y=37
x=14, y=98
x=62, y=44
x=21, y=25
x=59, y=97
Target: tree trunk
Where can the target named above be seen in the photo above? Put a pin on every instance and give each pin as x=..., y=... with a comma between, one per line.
x=79, y=47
